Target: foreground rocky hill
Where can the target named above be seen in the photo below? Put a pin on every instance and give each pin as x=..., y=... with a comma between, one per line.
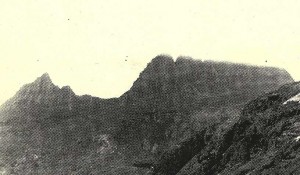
x=264, y=140
x=172, y=105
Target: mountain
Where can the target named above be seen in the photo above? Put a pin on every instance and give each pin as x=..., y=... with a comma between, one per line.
x=172, y=105
x=169, y=100
x=187, y=83
x=50, y=130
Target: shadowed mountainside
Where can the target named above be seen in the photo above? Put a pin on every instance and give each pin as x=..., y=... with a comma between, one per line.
x=50, y=130
x=265, y=140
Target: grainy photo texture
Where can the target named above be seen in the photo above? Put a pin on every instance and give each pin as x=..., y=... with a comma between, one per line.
x=104, y=87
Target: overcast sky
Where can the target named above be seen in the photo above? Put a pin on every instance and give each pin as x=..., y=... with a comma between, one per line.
x=85, y=43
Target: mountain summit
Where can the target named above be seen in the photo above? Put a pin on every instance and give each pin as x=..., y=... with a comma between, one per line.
x=166, y=84
x=41, y=92
x=45, y=77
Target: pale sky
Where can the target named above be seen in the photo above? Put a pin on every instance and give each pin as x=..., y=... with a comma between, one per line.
x=84, y=43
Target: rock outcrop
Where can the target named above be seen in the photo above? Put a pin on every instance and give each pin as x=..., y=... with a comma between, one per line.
x=264, y=140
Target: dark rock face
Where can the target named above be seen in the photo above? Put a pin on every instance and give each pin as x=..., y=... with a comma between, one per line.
x=188, y=84
x=173, y=106
x=265, y=140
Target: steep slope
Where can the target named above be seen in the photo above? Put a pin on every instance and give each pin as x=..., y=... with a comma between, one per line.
x=265, y=140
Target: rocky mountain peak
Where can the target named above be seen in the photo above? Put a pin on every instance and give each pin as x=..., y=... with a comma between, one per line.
x=162, y=59
x=166, y=84
x=42, y=91
x=45, y=76
x=44, y=81
x=161, y=65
